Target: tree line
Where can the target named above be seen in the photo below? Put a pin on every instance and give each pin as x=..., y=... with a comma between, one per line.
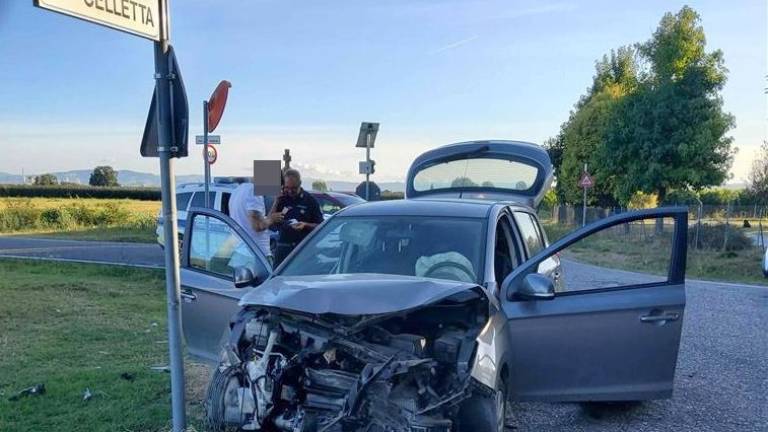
x=651, y=122
x=102, y=176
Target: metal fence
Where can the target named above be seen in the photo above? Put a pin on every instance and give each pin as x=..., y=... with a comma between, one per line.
x=725, y=227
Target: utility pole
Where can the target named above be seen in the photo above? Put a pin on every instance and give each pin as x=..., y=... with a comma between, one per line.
x=167, y=187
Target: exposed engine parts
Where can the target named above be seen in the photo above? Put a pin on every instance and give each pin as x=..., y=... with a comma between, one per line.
x=295, y=372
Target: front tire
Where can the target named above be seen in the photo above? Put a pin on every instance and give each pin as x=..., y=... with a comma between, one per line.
x=483, y=413
x=217, y=397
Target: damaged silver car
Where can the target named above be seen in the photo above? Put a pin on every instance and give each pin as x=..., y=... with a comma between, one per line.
x=424, y=314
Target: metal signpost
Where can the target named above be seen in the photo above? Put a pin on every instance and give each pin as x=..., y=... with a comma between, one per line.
x=365, y=139
x=166, y=126
x=585, y=182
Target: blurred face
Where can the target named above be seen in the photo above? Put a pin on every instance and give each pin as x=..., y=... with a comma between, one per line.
x=292, y=186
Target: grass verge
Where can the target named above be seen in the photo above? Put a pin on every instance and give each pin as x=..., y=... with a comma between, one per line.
x=74, y=327
x=653, y=257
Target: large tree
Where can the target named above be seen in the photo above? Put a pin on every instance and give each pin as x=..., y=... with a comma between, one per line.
x=46, y=180
x=671, y=132
x=103, y=176
x=581, y=137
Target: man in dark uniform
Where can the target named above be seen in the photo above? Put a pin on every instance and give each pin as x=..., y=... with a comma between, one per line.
x=302, y=214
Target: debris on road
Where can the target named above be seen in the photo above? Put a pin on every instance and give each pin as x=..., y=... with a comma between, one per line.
x=128, y=376
x=35, y=390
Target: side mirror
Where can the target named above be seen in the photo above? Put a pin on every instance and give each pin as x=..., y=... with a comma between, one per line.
x=244, y=277
x=536, y=286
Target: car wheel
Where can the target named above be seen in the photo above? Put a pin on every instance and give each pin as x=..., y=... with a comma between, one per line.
x=220, y=397
x=483, y=413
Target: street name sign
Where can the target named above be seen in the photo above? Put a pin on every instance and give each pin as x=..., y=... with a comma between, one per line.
x=212, y=139
x=138, y=17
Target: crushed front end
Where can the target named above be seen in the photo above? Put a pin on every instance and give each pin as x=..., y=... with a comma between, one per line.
x=291, y=371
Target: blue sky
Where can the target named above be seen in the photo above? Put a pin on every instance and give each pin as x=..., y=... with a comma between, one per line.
x=306, y=73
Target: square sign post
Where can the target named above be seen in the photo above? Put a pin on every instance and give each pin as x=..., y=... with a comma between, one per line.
x=365, y=139
x=585, y=182
x=149, y=19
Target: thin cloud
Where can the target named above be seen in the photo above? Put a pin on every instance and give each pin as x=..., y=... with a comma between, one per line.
x=454, y=45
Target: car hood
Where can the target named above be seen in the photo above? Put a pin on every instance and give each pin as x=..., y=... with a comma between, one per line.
x=351, y=294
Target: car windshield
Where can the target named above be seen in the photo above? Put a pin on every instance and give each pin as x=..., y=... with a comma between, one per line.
x=441, y=248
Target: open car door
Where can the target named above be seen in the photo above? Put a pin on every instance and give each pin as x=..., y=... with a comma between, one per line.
x=611, y=330
x=219, y=264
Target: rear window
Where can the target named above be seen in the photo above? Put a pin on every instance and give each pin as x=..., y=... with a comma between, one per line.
x=476, y=173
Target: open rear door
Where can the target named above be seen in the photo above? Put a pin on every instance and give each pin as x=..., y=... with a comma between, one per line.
x=496, y=170
x=611, y=330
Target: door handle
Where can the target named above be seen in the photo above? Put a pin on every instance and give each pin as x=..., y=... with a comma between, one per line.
x=188, y=296
x=672, y=316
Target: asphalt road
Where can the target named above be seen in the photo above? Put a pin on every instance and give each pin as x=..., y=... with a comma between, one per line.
x=132, y=254
x=722, y=374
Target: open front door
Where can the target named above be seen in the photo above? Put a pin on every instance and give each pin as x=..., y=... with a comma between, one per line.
x=612, y=329
x=214, y=248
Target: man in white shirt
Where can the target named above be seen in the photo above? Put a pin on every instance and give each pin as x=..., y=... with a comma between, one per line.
x=249, y=212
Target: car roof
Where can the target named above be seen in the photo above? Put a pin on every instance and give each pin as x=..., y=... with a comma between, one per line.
x=427, y=207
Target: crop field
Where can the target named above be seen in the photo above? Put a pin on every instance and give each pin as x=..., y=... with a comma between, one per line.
x=80, y=218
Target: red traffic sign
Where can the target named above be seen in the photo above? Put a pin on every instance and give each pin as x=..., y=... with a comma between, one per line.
x=211, y=154
x=216, y=104
x=586, y=181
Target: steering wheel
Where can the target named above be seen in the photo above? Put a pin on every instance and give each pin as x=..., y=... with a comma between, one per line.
x=470, y=275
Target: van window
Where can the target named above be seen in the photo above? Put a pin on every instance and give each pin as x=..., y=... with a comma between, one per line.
x=182, y=200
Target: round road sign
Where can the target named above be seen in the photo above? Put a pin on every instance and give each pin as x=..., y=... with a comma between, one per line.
x=212, y=154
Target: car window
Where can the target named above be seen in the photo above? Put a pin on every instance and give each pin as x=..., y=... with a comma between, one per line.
x=216, y=248
x=440, y=248
x=327, y=206
x=182, y=200
x=529, y=232
x=225, y=202
x=348, y=200
x=481, y=172
x=629, y=254
x=198, y=199
x=505, y=254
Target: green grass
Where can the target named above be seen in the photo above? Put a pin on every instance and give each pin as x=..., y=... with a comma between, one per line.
x=652, y=256
x=72, y=327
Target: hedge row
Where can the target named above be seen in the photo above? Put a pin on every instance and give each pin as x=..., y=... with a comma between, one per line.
x=78, y=191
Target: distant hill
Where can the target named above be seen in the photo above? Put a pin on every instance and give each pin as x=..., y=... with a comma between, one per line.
x=137, y=178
